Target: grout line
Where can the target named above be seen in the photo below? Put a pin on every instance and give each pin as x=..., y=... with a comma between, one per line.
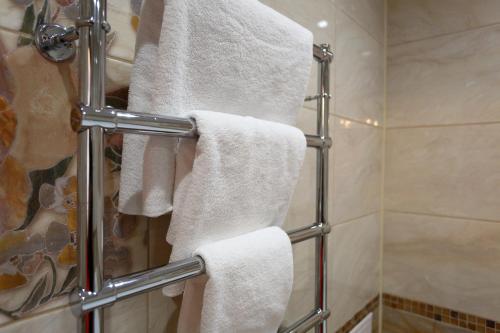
x=447, y=34
x=13, y=31
x=335, y=115
x=358, y=23
x=115, y=58
x=443, y=216
x=354, y=219
x=382, y=183
x=479, y=123
x=441, y=315
x=31, y=316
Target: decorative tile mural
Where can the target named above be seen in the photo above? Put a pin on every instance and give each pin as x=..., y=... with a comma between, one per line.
x=38, y=166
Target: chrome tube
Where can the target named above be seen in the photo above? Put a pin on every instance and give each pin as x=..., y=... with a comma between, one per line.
x=321, y=278
x=138, y=283
x=111, y=120
x=305, y=233
x=304, y=324
x=83, y=217
x=142, y=282
x=92, y=74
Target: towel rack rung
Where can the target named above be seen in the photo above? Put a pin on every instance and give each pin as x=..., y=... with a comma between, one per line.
x=307, y=322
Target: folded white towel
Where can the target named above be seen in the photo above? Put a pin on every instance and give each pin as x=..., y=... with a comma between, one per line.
x=241, y=180
x=232, y=56
x=248, y=284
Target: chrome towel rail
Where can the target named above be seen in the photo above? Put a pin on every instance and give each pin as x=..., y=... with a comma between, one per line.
x=93, y=119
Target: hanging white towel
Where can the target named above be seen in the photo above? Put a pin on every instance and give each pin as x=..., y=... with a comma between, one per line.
x=246, y=288
x=242, y=179
x=232, y=56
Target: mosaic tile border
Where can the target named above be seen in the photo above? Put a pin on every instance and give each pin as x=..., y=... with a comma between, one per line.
x=442, y=314
x=370, y=307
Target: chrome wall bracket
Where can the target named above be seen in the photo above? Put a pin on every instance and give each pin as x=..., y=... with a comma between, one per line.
x=56, y=42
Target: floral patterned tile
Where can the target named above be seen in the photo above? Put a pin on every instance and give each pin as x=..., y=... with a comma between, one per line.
x=21, y=15
x=38, y=180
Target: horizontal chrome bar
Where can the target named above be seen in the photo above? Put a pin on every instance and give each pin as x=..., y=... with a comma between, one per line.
x=316, y=97
x=134, y=284
x=307, y=322
x=116, y=120
x=112, y=119
x=322, y=53
x=317, y=141
x=141, y=282
x=305, y=233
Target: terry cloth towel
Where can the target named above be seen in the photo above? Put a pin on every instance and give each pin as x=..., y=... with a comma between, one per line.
x=231, y=56
x=242, y=179
x=247, y=285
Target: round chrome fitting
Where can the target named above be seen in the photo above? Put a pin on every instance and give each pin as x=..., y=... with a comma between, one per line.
x=56, y=42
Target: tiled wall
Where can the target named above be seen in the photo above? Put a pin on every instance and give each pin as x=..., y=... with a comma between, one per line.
x=36, y=102
x=442, y=179
x=356, y=31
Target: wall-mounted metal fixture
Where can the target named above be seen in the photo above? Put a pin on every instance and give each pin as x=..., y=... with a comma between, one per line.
x=56, y=42
x=92, y=119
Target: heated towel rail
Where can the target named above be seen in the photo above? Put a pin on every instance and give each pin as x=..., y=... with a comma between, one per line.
x=93, y=119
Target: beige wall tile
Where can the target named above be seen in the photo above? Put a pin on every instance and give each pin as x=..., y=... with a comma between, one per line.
x=367, y=13
x=410, y=20
x=359, y=76
x=302, y=298
x=56, y=321
x=446, y=80
x=357, y=157
x=163, y=311
x=354, y=273
x=450, y=171
x=118, y=74
x=11, y=14
x=120, y=18
x=319, y=17
x=128, y=316
x=443, y=261
x=302, y=208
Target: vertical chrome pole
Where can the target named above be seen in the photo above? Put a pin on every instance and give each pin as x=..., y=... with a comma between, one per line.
x=322, y=187
x=92, y=74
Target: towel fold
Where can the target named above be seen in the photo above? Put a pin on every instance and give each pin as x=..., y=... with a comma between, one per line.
x=238, y=177
x=232, y=56
x=246, y=288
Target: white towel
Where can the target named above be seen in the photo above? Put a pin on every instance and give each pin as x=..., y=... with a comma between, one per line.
x=242, y=179
x=247, y=285
x=232, y=56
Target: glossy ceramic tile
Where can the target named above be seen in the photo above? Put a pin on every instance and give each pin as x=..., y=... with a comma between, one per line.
x=118, y=75
x=301, y=213
x=359, y=75
x=367, y=13
x=446, y=80
x=396, y=321
x=450, y=171
x=302, y=207
x=354, y=272
x=57, y=321
x=302, y=298
x=37, y=204
x=319, y=17
x=120, y=15
x=356, y=161
x=447, y=262
x=163, y=311
x=128, y=316
x=410, y=20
